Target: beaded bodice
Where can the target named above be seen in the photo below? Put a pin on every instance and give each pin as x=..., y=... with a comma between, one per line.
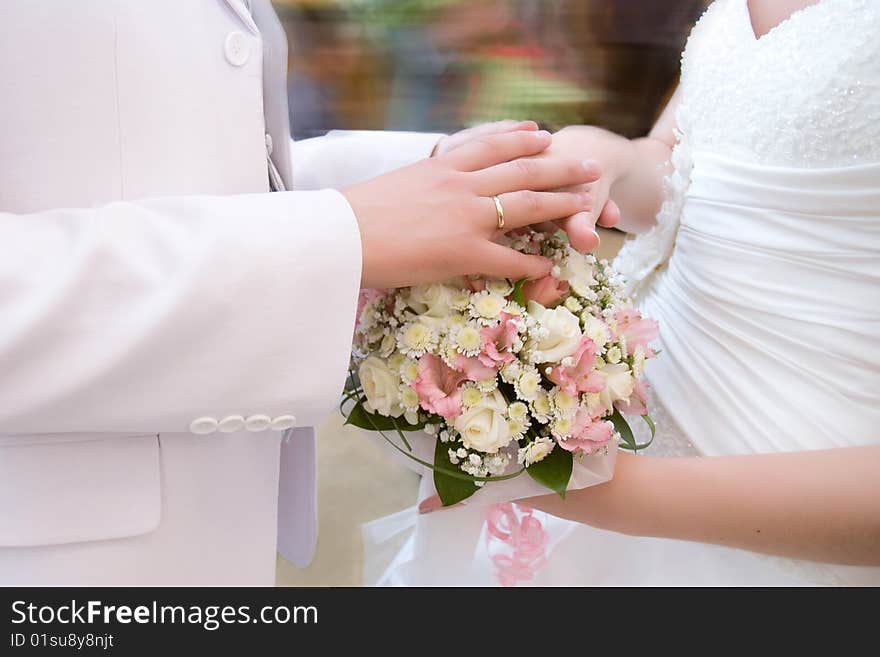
x=806, y=94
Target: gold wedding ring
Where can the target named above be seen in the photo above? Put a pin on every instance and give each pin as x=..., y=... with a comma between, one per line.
x=500, y=210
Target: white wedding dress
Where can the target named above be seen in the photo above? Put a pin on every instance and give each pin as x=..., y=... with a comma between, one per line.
x=764, y=273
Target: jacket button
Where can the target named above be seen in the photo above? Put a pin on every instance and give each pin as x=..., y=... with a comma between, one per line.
x=258, y=422
x=231, y=424
x=203, y=425
x=236, y=48
x=284, y=422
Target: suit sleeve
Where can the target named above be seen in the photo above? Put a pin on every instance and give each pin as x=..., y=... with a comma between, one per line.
x=345, y=157
x=146, y=316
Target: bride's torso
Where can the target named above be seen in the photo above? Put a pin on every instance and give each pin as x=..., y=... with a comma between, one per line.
x=769, y=305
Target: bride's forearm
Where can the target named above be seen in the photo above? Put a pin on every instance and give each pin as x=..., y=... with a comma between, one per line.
x=817, y=505
x=638, y=189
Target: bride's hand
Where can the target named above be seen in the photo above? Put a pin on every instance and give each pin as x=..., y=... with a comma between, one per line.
x=436, y=219
x=580, y=141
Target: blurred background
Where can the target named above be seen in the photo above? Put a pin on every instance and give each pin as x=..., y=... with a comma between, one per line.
x=441, y=65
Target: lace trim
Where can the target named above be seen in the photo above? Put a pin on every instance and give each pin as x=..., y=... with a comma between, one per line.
x=642, y=257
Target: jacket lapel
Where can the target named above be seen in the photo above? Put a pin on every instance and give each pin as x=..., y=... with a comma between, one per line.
x=241, y=9
x=261, y=18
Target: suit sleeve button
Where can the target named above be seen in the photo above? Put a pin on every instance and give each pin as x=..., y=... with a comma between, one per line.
x=258, y=422
x=231, y=424
x=284, y=422
x=203, y=425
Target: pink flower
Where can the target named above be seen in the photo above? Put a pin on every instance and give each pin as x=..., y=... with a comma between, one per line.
x=580, y=376
x=437, y=386
x=636, y=404
x=497, y=341
x=546, y=290
x=588, y=434
x=473, y=369
x=637, y=330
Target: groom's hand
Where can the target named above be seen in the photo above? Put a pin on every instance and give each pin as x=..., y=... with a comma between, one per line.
x=436, y=219
x=462, y=137
x=580, y=227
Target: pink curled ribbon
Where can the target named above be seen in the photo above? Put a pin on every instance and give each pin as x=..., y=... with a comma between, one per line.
x=516, y=541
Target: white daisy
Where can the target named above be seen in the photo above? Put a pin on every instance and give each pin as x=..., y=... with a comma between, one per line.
x=535, y=451
x=528, y=383
x=486, y=306
x=416, y=338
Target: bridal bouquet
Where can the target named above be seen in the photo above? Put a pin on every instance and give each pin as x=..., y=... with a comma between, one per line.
x=504, y=377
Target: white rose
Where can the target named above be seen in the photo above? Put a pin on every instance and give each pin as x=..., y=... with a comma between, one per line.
x=434, y=300
x=618, y=384
x=563, y=333
x=578, y=271
x=381, y=385
x=483, y=426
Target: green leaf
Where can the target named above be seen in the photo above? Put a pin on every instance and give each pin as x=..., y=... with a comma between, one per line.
x=650, y=422
x=351, y=382
x=626, y=435
x=622, y=427
x=554, y=471
x=451, y=490
x=517, y=294
x=360, y=417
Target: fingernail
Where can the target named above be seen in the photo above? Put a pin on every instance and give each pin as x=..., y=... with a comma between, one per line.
x=590, y=165
x=543, y=133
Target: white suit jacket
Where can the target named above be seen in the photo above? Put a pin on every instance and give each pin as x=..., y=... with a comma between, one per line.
x=163, y=318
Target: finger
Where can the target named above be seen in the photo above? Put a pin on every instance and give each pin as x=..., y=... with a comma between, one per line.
x=610, y=215
x=536, y=174
x=459, y=139
x=502, y=262
x=581, y=231
x=489, y=150
x=497, y=127
x=527, y=207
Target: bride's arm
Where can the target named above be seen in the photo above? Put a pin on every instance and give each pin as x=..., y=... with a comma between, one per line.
x=632, y=169
x=817, y=505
